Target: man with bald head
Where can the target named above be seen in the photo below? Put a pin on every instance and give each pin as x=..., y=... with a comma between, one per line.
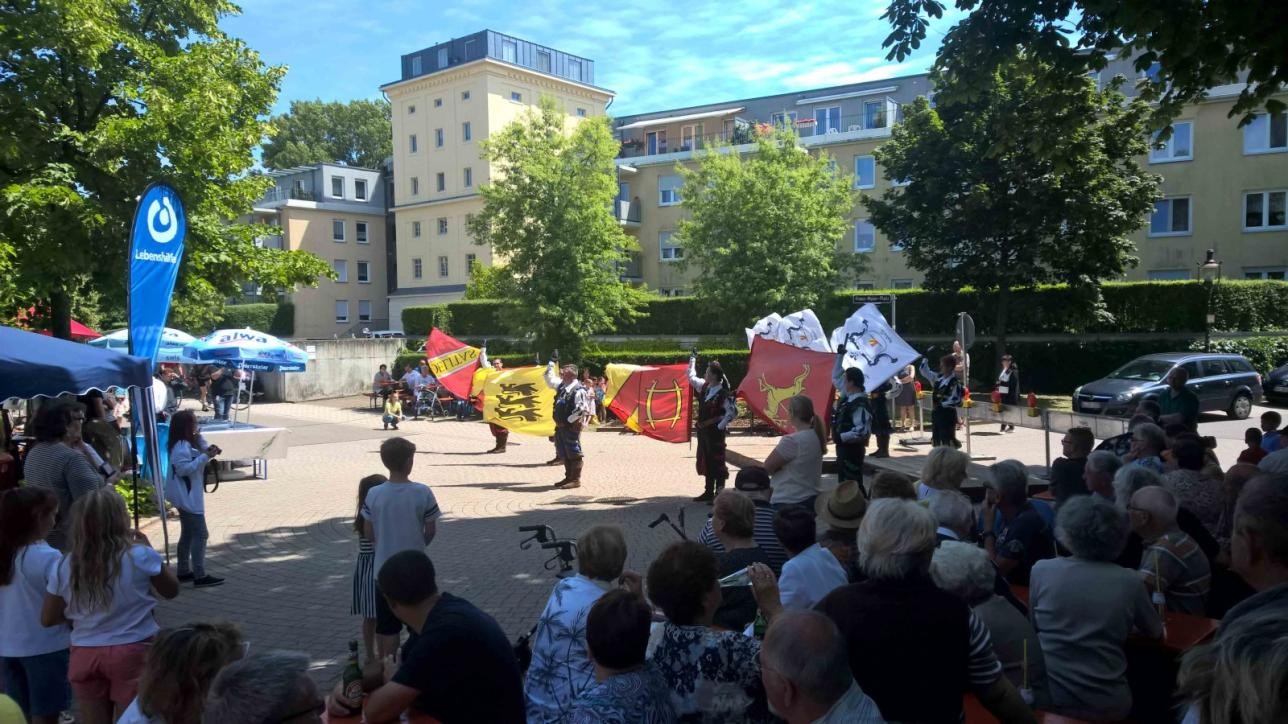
x=1172, y=562
x=805, y=667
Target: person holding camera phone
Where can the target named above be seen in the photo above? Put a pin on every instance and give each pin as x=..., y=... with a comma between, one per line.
x=185, y=488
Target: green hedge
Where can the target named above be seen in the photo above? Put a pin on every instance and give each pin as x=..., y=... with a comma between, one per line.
x=276, y=319
x=1265, y=353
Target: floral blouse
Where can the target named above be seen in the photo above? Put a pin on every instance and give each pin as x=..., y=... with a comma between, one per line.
x=635, y=697
x=713, y=676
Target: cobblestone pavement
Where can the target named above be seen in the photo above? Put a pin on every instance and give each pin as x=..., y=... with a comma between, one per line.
x=287, y=546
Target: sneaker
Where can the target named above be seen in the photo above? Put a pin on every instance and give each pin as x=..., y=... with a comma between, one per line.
x=207, y=581
x=184, y=577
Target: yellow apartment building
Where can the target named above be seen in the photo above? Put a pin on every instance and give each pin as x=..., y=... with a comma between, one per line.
x=338, y=213
x=450, y=97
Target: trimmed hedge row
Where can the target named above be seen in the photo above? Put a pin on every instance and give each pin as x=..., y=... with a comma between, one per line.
x=1129, y=307
x=276, y=319
x=1265, y=353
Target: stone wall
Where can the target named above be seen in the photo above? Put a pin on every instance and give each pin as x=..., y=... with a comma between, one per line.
x=336, y=368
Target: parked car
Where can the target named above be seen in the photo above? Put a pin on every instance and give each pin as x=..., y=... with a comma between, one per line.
x=386, y=334
x=1223, y=382
x=1277, y=385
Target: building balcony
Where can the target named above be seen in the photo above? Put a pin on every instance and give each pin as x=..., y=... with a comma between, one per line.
x=628, y=212
x=631, y=270
x=269, y=241
x=821, y=128
x=278, y=194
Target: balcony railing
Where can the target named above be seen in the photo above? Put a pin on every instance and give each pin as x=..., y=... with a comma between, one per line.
x=638, y=143
x=628, y=212
x=269, y=241
x=632, y=269
x=278, y=193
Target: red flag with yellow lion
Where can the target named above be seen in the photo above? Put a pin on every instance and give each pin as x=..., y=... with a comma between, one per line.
x=776, y=372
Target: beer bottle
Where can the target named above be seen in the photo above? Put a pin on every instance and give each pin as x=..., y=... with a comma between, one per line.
x=351, y=692
x=759, y=625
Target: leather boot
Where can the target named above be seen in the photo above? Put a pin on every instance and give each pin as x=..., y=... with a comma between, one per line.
x=500, y=443
x=708, y=492
x=573, y=466
x=883, y=447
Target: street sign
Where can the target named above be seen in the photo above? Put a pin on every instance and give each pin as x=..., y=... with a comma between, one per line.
x=872, y=298
x=965, y=330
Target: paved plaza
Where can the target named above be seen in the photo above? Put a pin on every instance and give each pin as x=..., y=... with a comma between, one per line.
x=287, y=544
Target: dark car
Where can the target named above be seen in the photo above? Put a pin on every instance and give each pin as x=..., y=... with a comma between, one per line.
x=1277, y=385
x=1223, y=382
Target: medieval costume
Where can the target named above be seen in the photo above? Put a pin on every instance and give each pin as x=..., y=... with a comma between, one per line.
x=882, y=427
x=716, y=409
x=1008, y=386
x=851, y=423
x=574, y=406
x=947, y=395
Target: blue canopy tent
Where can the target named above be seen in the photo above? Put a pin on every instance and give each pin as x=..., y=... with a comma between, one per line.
x=33, y=365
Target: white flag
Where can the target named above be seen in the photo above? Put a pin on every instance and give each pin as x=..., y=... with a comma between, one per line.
x=801, y=329
x=872, y=346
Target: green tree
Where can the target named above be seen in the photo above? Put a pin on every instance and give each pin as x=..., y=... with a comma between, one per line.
x=988, y=208
x=1198, y=45
x=764, y=228
x=548, y=213
x=100, y=97
x=488, y=282
x=357, y=133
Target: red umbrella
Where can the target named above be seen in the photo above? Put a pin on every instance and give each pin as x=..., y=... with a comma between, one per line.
x=80, y=332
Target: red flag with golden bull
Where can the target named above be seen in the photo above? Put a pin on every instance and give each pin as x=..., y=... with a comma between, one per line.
x=451, y=361
x=652, y=400
x=777, y=372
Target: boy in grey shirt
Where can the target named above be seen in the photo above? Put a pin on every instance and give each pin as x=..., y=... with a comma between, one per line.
x=398, y=515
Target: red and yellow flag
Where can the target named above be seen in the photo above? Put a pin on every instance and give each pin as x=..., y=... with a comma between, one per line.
x=452, y=361
x=776, y=372
x=652, y=400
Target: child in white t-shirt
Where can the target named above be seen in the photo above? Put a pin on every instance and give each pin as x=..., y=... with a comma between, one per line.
x=103, y=587
x=33, y=659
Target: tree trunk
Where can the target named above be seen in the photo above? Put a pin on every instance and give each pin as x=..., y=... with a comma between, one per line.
x=60, y=315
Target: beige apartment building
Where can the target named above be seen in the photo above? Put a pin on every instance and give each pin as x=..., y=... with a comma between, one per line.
x=450, y=97
x=338, y=213
x=1224, y=188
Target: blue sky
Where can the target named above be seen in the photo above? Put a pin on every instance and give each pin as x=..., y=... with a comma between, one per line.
x=654, y=56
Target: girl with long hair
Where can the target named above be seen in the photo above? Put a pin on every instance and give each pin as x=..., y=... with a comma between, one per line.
x=364, y=573
x=103, y=586
x=796, y=464
x=180, y=665
x=33, y=659
x=184, y=487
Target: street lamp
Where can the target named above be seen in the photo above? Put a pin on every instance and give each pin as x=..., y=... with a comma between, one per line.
x=1209, y=272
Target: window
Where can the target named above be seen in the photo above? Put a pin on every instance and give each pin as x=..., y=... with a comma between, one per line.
x=827, y=120
x=689, y=136
x=465, y=131
x=865, y=172
x=874, y=114
x=1264, y=274
x=341, y=268
x=411, y=109
x=581, y=112
x=666, y=250
x=337, y=187
x=465, y=95
x=786, y=118
x=509, y=50
x=467, y=177
x=1266, y=134
x=440, y=181
x=901, y=283
x=1167, y=275
x=364, y=272
x=337, y=229
x=574, y=69
x=1171, y=217
x=342, y=310
x=516, y=96
x=656, y=142
x=360, y=231
x=470, y=260
x=1263, y=210
x=442, y=225
x=411, y=143
x=438, y=102
x=364, y=310
x=415, y=229
x=415, y=186
x=442, y=266
x=865, y=236
x=1176, y=148
x=360, y=189
x=438, y=138
x=416, y=66
x=442, y=58
x=417, y=268
x=668, y=190
x=543, y=61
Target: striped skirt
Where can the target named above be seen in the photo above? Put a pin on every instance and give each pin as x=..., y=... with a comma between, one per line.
x=364, y=585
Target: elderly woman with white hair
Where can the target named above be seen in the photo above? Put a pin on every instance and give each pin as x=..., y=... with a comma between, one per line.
x=965, y=571
x=945, y=469
x=1241, y=677
x=915, y=649
x=1084, y=607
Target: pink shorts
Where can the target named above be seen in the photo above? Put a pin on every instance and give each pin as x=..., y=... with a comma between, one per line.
x=107, y=672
